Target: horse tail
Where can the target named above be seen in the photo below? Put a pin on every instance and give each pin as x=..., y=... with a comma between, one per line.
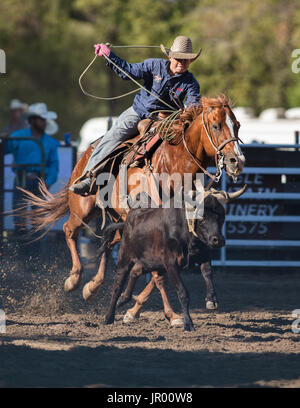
x=46, y=209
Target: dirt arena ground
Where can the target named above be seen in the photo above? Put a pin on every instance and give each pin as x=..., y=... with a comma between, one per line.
x=55, y=339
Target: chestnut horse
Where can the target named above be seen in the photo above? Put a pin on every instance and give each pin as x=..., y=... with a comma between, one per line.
x=209, y=130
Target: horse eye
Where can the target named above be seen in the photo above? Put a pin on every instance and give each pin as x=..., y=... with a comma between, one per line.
x=216, y=126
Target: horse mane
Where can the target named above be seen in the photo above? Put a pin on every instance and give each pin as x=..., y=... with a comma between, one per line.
x=191, y=113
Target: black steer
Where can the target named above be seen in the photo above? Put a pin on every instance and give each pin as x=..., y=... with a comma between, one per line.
x=159, y=240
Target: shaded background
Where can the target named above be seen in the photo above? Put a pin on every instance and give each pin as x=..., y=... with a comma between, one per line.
x=246, y=53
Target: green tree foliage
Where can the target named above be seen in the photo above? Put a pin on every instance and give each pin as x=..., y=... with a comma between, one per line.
x=246, y=53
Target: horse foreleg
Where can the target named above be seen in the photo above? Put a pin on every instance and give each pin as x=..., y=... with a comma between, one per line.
x=91, y=288
x=140, y=300
x=71, y=229
x=211, y=301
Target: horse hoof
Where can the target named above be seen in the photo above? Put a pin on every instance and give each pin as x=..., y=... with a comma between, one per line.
x=69, y=285
x=211, y=305
x=87, y=294
x=177, y=322
x=128, y=318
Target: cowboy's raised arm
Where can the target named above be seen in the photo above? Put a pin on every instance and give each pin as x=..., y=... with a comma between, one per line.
x=136, y=70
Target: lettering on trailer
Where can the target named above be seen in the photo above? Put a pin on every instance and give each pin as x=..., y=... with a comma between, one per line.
x=257, y=183
x=262, y=210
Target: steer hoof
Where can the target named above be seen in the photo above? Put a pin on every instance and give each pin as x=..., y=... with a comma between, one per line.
x=189, y=327
x=128, y=318
x=188, y=324
x=123, y=300
x=211, y=305
x=108, y=320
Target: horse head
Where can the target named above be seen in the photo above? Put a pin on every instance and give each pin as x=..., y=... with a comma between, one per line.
x=221, y=128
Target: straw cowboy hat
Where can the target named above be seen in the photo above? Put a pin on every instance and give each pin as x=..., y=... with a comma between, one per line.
x=40, y=109
x=181, y=48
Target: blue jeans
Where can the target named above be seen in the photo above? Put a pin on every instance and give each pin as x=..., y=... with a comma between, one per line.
x=124, y=129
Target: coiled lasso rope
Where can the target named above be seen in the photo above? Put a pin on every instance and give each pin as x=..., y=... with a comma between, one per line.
x=123, y=72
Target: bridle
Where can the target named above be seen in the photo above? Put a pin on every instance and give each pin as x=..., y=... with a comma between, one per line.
x=219, y=156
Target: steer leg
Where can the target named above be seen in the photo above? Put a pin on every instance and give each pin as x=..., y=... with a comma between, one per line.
x=121, y=275
x=161, y=284
x=183, y=296
x=142, y=298
x=211, y=297
x=126, y=296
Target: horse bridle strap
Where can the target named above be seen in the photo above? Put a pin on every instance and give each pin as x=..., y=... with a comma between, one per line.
x=223, y=144
x=195, y=159
x=217, y=149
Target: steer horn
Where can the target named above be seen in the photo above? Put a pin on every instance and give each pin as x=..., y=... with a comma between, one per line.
x=237, y=194
x=225, y=197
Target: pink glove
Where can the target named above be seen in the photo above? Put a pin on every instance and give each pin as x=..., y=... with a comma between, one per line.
x=101, y=49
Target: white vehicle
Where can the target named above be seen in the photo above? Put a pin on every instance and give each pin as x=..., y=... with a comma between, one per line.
x=270, y=127
x=293, y=113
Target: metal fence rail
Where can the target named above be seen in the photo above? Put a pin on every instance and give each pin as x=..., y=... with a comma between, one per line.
x=276, y=242
x=22, y=167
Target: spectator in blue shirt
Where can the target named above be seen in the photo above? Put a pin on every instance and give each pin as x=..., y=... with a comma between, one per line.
x=28, y=155
x=17, y=119
x=164, y=78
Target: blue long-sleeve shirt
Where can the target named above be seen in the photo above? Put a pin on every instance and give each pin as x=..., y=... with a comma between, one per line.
x=157, y=80
x=29, y=152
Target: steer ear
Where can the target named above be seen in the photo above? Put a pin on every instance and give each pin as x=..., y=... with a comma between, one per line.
x=221, y=196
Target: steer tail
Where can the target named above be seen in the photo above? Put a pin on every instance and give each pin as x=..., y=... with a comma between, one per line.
x=46, y=209
x=108, y=236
